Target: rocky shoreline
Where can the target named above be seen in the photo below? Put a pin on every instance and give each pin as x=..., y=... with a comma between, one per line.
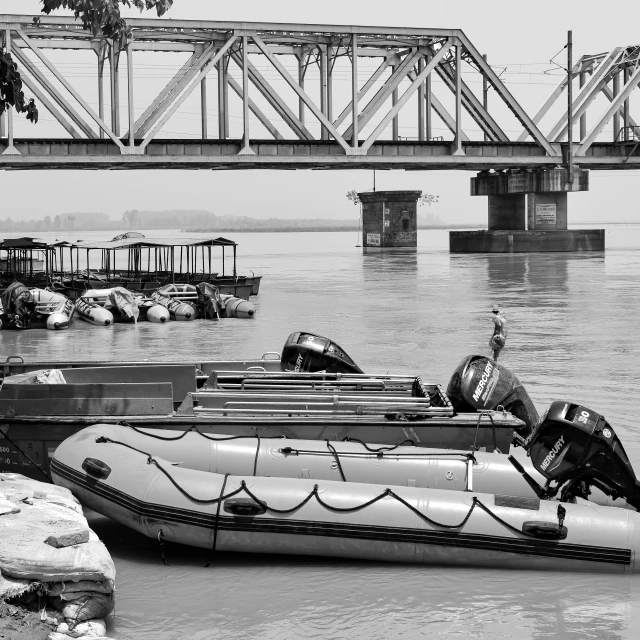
x=57, y=579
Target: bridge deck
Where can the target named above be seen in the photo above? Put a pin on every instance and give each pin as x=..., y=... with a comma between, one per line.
x=270, y=154
x=330, y=97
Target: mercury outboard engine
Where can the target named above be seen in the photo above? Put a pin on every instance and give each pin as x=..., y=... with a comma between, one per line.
x=577, y=449
x=306, y=352
x=480, y=383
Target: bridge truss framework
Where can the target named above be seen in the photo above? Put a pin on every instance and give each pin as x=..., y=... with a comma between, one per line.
x=361, y=132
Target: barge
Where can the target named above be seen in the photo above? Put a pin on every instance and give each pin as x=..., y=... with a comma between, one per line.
x=43, y=403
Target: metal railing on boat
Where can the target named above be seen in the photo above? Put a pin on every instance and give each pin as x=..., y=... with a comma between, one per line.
x=418, y=399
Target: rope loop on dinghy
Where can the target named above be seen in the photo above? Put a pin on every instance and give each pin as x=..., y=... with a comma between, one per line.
x=493, y=431
x=336, y=457
x=217, y=520
x=257, y=437
x=379, y=449
x=195, y=429
x=314, y=493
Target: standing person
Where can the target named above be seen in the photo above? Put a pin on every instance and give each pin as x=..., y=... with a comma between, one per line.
x=499, y=337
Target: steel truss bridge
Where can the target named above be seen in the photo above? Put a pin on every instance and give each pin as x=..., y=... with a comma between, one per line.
x=286, y=121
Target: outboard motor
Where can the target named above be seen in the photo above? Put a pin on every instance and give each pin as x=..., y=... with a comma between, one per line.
x=576, y=447
x=306, y=352
x=480, y=383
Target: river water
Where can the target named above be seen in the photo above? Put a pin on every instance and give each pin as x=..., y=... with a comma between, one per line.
x=574, y=321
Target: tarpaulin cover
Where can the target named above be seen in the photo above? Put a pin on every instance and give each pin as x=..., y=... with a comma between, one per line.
x=124, y=301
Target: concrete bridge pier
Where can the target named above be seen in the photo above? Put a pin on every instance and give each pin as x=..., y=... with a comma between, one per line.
x=389, y=220
x=527, y=213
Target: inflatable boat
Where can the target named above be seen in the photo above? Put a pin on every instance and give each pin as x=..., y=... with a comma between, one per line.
x=204, y=300
x=237, y=307
x=168, y=499
x=93, y=312
x=153, y=312
x=170, y=297
x=344, y=461
x=53, y=310
x=23, y=308
x=120, y=302
x=118, y=305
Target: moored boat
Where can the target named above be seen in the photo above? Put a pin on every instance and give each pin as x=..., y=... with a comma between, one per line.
x=350, y=461
x=172, y=300
x=93, y=312
x=52, y=310
x=168, y=499
x=23, y=308
x=153, y=312
x=237, y=307
x=119, y=301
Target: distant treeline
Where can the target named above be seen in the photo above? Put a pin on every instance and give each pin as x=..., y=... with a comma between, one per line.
x=189, y=220
x=61, y=222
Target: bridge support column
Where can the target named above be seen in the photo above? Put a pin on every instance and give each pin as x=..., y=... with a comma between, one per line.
x=546, y=194
x=389, y=220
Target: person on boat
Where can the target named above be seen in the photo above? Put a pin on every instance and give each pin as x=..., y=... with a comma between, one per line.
x=499, y=337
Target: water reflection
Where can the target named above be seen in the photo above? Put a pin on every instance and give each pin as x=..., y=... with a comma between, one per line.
x=389, y=263
x=287, y=597
x=573, y=323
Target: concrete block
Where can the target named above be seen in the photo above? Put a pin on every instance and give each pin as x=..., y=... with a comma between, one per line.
x=68, y=538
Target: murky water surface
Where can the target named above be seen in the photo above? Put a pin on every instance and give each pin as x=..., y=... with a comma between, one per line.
x=574, y=322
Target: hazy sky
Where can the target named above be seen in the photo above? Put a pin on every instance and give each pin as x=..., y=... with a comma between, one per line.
x=520, y=38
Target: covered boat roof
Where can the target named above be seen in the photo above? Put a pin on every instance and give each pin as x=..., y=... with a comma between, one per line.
x=125, y=243
x=139, y=243
x=23, y=243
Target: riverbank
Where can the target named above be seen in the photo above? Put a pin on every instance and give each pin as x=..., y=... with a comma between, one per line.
x=294, y=229
x=56, y=576
x=22, y=621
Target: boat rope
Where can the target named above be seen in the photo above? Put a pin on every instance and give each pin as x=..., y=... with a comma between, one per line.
x=217, y=519
x=28, y=457
x=255, y=461
x=336, y=457
x=161, y=545
x=243, y=488
x=105, y=439
x=493, y=430
x=362, y=454
x=192, y=428
x=372, y=450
